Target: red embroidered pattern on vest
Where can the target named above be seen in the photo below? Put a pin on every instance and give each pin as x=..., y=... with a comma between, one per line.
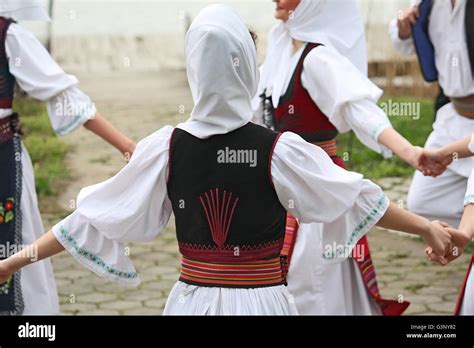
x=230, y=252
x=7, y=211
x=219, y=219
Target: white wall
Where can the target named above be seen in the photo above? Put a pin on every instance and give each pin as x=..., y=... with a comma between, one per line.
x=148, y=34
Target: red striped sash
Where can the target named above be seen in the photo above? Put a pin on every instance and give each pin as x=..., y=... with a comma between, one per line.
x=328, y=146
x=248, y=274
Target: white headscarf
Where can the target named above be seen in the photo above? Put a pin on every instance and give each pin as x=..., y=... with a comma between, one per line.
x=222, y=70
x=334, y=23
x=24, y=10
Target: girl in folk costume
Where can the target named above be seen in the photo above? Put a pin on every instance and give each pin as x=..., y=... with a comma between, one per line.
x=24, y=60
x=446, y=54
x=227, y=181
x=315, y=79
x=461, y=149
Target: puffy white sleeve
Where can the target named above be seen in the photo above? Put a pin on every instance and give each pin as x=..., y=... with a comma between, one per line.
x=41, y=77
x=404, y=47
x=345, y=96
x=132, y=206
x=313, y=189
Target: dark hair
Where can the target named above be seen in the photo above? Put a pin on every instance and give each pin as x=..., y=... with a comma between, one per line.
x=254, y=36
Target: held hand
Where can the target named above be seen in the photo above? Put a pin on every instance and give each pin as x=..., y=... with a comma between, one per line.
x=434, y=162
x=437, y=155
x=460, y=240
x=438, y=238
x=5, y=272
x=430, y=167
x=406, y=18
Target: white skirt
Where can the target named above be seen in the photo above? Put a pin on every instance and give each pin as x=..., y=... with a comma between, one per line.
x=321, y=288
x=37, y=280
x=467, y=307
x=186, y=299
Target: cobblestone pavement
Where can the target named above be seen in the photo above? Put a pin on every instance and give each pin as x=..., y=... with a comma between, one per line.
x=400, y=262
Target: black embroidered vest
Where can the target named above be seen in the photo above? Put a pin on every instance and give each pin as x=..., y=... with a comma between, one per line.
x=224, y=202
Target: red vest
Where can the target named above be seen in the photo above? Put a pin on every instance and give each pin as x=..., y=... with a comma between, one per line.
x=298, y=113
x=7, y=80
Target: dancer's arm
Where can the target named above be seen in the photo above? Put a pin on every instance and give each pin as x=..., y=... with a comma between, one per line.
x=102, y=223
x=43, y=79
x=410, y=154
x=446, y=154
x=351, y=104
x=467, y=221
x=104, y=129
x=405, y=20
x=433, y=233
x=460, y=239
x=46, y=246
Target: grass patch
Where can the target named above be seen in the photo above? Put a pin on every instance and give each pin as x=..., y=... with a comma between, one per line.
x=365, y=161
x=470, y=248
x=47, y=151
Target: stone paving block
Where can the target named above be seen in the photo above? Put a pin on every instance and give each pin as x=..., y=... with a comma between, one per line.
x=142, y=295
x=77, y=308
x=163, y=284
x=102, y=312
x=120, y=305
x=417, y=309
x=97, y=297
x=74, y=273
x=162, y=270
x=146, y=276
x=441, y=307
x=423, y=299
x=159, y=303
x=143, y=311
x=76, y=288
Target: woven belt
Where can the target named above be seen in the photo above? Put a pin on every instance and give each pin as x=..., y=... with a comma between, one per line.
x=328, y=146
x=464, y=106
x=249, y=274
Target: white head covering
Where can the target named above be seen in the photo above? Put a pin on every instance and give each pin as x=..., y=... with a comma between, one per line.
x=24, y=10
x=334, y=23
x=222, y=70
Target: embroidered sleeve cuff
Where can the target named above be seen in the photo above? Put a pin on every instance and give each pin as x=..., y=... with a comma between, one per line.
x=469, y=199
x=70, y=110
x=384, y=151
x=92, y=261
x=366, y=223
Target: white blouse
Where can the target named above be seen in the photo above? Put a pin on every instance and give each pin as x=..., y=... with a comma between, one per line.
x=133, y=206
x=341, y=91
x=448, y=35
x=41, y=78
